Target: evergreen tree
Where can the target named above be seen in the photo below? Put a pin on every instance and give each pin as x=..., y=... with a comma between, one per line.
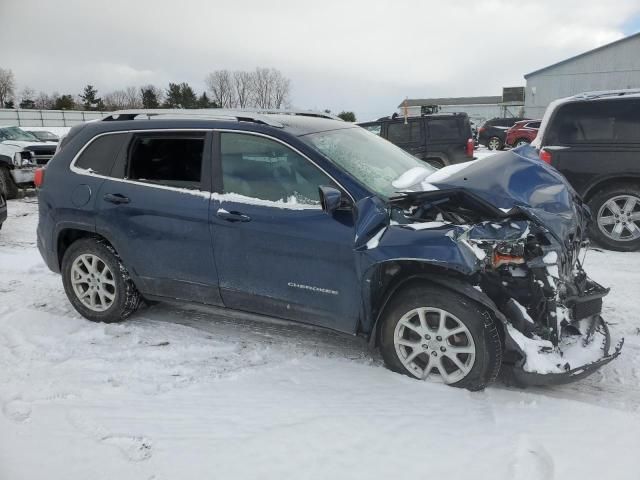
x=90, y=100
x=203, y=101
x=65, y=102
x=173, y=96
x=9, y=104
x=149, y=97
x=347, y=116
x=188, y=96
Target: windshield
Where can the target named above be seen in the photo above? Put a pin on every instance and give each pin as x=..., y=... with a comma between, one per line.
x=15, y=133
x=375, y=162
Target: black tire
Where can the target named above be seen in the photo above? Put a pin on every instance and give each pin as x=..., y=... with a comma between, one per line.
x=596, y=204
x=476, y=318
x=127, y=298
x=500, y=143
x=7, y=184
x=523, y=141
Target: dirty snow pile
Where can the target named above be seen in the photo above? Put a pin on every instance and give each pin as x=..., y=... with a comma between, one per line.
x=187, y=394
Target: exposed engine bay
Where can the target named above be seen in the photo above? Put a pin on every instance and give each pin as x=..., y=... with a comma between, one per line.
x=550, y=308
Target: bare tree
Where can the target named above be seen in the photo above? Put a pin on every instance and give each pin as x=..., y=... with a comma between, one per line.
x=242, y=87
x=281, y=89
x=134, y=99
x=262, y=88
x=116, y=100
x=7, y=86
x=271, y=89
x=27, y=98
x=221, y=88
x=43, y=101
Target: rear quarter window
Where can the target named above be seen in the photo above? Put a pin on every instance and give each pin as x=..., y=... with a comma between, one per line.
x=602, y=121
x=100, y=155
x=401, y=133
x=443, y=129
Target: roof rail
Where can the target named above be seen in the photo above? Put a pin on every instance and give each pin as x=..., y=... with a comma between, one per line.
x=607, y=93
x=243, y=115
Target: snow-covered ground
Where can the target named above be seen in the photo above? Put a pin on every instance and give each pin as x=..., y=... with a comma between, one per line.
x=186, y=394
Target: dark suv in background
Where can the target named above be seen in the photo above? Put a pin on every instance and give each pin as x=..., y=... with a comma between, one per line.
x=493, y=134
x=593, y=139
x=439, y=140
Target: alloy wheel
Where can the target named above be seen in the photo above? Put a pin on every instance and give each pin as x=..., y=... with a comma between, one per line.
x=93, y=282
x=494, y=144
x=433, y=343
x=619, y=218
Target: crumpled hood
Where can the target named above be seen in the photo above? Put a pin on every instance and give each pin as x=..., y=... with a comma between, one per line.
x=517, y=179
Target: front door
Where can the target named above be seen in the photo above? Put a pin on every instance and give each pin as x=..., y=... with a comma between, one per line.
x=276, y=250
x=155, y=209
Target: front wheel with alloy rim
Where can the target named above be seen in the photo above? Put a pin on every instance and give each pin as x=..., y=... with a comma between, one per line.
x=431, y=333
x=617, y=217
x=96, y=282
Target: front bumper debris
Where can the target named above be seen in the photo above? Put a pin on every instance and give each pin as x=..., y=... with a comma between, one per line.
x=23, y=175
x=578, y=355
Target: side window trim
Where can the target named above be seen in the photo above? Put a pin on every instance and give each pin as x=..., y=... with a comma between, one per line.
x=217, y=161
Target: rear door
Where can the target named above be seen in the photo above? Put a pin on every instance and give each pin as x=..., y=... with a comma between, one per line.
x=592, y=141
x=155, y=209
x=277, y=251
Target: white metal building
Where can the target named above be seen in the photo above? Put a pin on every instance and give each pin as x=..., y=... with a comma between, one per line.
x=612, y=66
x=479, y=109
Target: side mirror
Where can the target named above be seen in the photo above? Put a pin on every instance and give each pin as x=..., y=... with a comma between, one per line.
x=330, y=199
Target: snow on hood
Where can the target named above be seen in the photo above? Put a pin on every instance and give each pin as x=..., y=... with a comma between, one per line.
x=411, y=177
x=421, y=179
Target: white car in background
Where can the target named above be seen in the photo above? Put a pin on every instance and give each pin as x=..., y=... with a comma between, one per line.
x=20, y=154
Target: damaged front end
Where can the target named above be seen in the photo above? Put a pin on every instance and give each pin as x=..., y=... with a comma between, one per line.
x=531, y=272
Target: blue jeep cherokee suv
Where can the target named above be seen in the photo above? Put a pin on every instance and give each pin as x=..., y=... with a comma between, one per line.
x=455, y=274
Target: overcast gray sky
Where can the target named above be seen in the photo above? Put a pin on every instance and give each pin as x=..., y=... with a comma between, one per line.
x=361, y=55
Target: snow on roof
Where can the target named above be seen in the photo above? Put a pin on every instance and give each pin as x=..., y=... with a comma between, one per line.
x=570, y=59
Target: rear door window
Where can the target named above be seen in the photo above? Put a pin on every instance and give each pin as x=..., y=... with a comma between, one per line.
x=101, y=154
x=170, y=159
x=443, y=129
x=401, y=133
x=533, y=125
x=601, y=121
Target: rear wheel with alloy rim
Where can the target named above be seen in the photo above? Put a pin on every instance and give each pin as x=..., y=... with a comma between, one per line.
x=617, y=217
x=97, y=283
x=431, y=333
x=520, y=142
x=494, y=143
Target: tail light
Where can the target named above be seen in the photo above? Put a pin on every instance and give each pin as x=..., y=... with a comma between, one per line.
x=38, y=177
x=545, y=156
x=481, y=129
x=469, y=148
